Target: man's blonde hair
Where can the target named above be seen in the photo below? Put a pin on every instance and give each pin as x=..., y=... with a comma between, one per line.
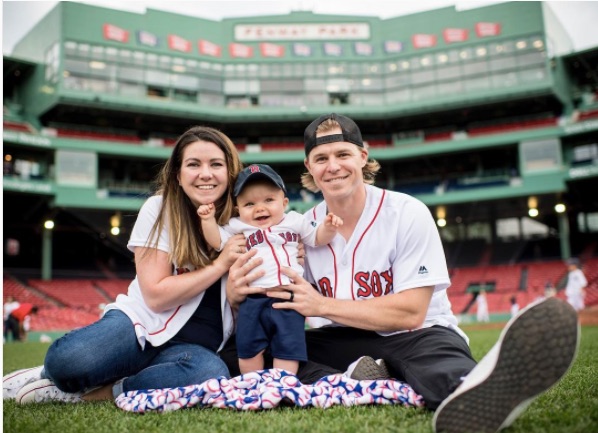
x=369, y=170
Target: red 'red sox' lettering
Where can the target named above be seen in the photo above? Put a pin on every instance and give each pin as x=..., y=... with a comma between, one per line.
x=325, y=287
x=258, y=237
x=373, y=284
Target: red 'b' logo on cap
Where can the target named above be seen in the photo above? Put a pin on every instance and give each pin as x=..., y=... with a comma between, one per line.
x=254, y=169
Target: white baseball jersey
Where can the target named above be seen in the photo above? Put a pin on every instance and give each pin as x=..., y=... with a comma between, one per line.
x=576, y=281
x=395, y=247
x=277, y=245
x=158, y=328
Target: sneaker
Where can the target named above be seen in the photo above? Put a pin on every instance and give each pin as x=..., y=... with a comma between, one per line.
x=13, y=382
x=366, y=368
x=534, y=351
x=43, y=391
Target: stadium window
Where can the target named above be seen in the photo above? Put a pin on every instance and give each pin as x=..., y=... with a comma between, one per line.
x=399, y=96
x=449, y=72
x=111, y=54
x=475, y=68
x=70, y=48
x=76, y=67
x=414, y=63
x=125, y=56
x=421, y=77
x=211, y=99
x=130, y=73
x=184, y=82
x=83, y=50
x=531, y=59
x=424, y=92
x=449, y=88
x=315, y=85
x=271, y=85
x=252, y=70
x=315, y=99
x=502, y=63
x=211, y=84
x=532, y=75
x=184, y=95
x=192, y=66
x=52, y=63
x=139, y=58
x=131, y=89
x=472, y=84
x=453, y=56
x=292, y=85
x=371, y=99
x=157, y=92
x=587, y=222
x=157, y=78
x=508, y=79
x=338, y=98
x=539, y=155
x=97, y=52
x=151, y=60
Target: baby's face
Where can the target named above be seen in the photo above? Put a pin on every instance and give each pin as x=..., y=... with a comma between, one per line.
x=262, y=205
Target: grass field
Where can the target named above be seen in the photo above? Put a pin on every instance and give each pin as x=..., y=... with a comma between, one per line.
x=570, y=406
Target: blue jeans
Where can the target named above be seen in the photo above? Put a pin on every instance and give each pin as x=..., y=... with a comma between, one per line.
x=107, y=351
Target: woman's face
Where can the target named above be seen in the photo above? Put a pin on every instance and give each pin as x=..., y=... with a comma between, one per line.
x=203, y=173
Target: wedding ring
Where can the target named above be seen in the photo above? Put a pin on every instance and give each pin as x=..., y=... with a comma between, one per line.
x=292, y=296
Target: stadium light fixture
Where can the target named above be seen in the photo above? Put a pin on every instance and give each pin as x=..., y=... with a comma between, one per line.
x=560, y=208
x=115, y=231
x=48, y=224
x=441, y=222
x=532, y=204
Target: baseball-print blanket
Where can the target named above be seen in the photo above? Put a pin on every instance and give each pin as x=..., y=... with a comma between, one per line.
x=267, y=389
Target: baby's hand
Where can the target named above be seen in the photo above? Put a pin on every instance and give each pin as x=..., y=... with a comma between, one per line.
x=206, y=211
x=332, y=220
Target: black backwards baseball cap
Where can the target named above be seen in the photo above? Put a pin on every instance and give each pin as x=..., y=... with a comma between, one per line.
x=257, y=171
x=350, y=132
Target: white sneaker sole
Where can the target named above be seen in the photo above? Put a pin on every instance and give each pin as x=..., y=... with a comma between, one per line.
x=9, y=390
x=537, y=348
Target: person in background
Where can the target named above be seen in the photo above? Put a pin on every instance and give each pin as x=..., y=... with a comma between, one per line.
x=168, y=329
x=9, y=305
x=549, y=289
x=482, y=304
x=18, y=320
x=514, y=306
x=380, y=288
x=261, y=201
x=575, y=290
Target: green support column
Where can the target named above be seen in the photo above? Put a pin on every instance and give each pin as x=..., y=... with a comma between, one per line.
x=47, y=254
x=564, y=235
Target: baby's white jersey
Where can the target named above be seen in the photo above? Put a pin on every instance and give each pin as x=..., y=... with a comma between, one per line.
x=277, y=245
x=395, y=247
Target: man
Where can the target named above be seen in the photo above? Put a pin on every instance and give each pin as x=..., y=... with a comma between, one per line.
x=19, y=318
x=381, y=292
x=9, y=306
x=576, y=285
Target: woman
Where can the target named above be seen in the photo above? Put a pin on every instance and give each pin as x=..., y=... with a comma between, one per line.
x=167, y=330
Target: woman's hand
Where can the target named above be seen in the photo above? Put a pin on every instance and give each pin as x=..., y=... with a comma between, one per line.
x=240, y=276
x=300, y=295
x=232, y=250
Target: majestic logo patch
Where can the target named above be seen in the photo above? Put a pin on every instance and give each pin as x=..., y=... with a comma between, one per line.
x=422, y=270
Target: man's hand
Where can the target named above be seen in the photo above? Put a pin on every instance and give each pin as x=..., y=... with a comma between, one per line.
x=240, y=276
x=305, y=299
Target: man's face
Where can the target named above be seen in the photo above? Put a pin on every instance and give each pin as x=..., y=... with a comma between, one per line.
x=337, y=167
